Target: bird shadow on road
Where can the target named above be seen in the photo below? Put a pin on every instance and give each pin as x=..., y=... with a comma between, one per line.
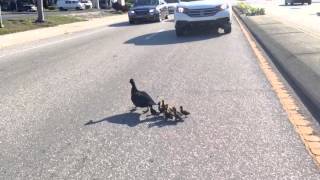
x=169, y=37
x=132, y=119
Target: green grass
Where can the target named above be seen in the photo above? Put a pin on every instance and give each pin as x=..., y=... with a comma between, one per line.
x=249, y=10
x=18, y=25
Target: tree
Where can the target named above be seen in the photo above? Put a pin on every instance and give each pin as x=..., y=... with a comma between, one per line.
x=1, y=24
x=40, y=11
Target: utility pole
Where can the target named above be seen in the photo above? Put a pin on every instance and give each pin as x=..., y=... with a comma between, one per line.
x=1, y=24
x=98, y=4
x=40, y=11
x=16, y=3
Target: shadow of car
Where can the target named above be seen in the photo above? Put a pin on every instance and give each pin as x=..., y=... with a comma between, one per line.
x=169, y=37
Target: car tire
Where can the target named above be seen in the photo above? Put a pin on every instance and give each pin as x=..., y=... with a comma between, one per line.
x=215, y=30
x=179, y=32
x=291, y=3
x=61, y=9
x=227, y=28
x=227, y=31
x=131, y=22
x=309, y=2
x=159, y=18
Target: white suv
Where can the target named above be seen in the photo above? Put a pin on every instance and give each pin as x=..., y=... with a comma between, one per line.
x=211, y=13
x=70, y=4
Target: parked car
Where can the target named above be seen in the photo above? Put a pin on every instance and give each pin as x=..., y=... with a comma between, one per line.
x=70, y=4
x=87, y=4
x=152, y=10
x=210, y=13
x=27, y=8
x=291, y=2
x=172, y=5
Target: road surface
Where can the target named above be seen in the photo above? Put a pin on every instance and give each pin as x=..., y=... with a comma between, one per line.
x=51, y=89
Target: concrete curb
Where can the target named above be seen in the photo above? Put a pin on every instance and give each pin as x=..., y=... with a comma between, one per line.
x=44, y=33
x=304, y=79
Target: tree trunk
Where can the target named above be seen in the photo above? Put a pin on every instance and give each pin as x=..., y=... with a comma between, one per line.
x=106, y=3
x=40, y=11
x=16, y=3
x=98, y=4
x=1, y=24
x=45, y=3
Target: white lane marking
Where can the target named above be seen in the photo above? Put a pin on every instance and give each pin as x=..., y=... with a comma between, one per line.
x=154, y=34
x=52, y=43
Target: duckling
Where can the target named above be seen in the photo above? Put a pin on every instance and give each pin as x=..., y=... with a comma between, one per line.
x=162, y=104
x=177, y=117
x=166, y=107
x=184, y=112
x=168, y=115
x=167, y=112
x=153, y=112
x=160, y=107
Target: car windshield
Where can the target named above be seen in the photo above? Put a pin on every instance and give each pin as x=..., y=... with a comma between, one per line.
x=146, y=2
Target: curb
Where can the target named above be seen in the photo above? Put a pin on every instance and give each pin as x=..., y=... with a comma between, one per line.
x=304, y=80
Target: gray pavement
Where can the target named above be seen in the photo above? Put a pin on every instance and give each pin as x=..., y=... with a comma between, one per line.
x=303, y=17
x=51, y=89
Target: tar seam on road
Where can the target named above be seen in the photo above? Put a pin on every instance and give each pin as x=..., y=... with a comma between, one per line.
x=298, y=120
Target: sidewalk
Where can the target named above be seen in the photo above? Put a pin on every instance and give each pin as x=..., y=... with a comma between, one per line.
x=303, y=17
x=43, y=33
x=296, y=52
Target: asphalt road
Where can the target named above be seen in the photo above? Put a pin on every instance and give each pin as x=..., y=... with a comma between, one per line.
x=51, y=89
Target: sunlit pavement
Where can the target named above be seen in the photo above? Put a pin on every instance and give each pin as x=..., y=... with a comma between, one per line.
x=305, y=17
x=51, y=89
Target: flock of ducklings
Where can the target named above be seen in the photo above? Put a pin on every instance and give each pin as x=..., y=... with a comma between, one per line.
x=170, y=112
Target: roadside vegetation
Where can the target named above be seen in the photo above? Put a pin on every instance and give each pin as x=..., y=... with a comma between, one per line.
x=129, y=3
x=18, y=25
x=249, y=10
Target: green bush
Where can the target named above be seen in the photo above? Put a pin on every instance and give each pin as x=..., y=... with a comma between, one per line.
x=248, y=10
x=129, y=5
x=51, y=7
